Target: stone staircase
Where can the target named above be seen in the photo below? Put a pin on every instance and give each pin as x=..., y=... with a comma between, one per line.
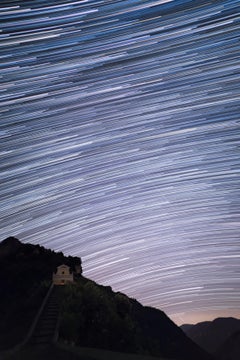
x=45, y=331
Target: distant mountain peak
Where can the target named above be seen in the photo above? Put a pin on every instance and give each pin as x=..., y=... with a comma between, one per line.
x=211, y=335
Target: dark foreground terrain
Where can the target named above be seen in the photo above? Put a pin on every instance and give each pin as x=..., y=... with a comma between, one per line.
x=63, y=352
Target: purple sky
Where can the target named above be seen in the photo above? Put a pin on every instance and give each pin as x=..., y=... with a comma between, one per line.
x=120, y=144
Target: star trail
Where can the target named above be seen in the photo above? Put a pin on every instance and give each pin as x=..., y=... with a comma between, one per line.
x=120, y=144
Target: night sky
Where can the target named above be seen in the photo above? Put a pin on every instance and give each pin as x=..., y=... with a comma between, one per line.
x=120, y=144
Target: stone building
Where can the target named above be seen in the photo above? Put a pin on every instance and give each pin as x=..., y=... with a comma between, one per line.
x=63, y=275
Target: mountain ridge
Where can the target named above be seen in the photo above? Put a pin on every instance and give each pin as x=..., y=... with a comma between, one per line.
x=214, y=335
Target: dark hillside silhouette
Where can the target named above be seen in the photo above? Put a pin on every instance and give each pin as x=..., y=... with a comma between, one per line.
x=230, y=349
x=92, y=315
x=210, y=335
x=99, y=317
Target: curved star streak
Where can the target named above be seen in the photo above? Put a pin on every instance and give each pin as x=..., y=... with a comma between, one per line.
x=120, y=144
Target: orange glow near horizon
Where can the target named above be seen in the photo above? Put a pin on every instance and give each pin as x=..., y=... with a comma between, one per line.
x=194, y=317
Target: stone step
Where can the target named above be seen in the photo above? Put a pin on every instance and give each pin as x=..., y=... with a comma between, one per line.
x=50, y=316
x=46, y=325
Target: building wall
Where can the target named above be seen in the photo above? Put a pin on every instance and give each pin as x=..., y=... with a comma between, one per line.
x=62, y=276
